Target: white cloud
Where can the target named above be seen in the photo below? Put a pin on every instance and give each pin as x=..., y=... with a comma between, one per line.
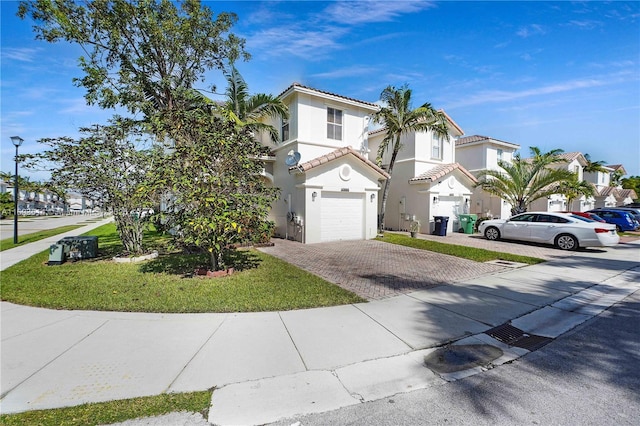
x=296, y=41
x=361, y=12
x=585, y=24
x=352, y=71
x=19, y=54
x=493, y=96
x=531, y=30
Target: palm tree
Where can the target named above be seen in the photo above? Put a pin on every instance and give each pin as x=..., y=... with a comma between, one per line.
x=573, y=189
x=249, y=110
x=593, y=166
x=399, y=119
x=525, y=180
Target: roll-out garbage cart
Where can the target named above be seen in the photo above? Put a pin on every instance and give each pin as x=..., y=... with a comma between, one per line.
x=441, y=225
x=468, y=222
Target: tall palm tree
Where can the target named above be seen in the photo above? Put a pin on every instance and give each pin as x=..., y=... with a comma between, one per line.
x=593, y=166
x=525, y=180
x=573, y=189
x=249, y=110
x=400, y=119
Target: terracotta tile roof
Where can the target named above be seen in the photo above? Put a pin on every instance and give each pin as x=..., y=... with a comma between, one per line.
x=479, y=138
x=627, y=193
x=294, y=85
x=340, y=152
x=615, y=167
x=441, y=171
x=607, y=190
x=570, y=156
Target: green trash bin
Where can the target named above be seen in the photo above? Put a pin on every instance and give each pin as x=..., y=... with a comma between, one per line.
x=468, y=222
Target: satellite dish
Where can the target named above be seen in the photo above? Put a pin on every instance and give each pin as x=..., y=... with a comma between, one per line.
x=293, y=157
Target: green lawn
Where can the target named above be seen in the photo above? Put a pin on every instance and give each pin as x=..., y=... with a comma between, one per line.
x=260, y=283
x=479, y=255
x=7, y=243
x=112, y=411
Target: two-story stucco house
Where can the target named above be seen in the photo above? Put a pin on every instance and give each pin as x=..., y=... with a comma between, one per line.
x=477, y=153
x=427, y=181
x=607, y=195
x=329, y=188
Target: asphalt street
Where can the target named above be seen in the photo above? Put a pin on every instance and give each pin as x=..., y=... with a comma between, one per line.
x=588, y=376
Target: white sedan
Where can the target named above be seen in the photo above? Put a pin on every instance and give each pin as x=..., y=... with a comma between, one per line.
x=564, y=230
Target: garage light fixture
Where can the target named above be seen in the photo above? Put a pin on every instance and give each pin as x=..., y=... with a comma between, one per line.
x=373, y=197
x=314, y=195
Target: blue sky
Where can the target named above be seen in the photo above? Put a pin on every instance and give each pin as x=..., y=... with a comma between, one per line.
x=548, y=74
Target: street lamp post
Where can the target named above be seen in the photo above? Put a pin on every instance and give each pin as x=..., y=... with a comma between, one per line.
x=17, y=141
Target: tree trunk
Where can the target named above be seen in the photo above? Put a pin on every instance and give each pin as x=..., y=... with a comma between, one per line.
x=387, y=185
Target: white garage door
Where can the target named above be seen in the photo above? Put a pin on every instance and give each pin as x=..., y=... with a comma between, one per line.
x=342, y=216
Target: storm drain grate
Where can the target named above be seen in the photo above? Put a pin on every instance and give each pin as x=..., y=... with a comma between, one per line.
x=513, y=336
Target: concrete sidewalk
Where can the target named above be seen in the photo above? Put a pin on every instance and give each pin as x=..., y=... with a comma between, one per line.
x=273, y=365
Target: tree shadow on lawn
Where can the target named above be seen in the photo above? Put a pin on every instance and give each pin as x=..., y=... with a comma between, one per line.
x=185, y=264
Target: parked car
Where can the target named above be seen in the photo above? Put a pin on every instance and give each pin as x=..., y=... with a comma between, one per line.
x=564, y=230
x=634, y=211
x=588, y=215
x=623, y=220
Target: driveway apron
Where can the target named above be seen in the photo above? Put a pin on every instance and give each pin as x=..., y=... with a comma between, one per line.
x=377, y=270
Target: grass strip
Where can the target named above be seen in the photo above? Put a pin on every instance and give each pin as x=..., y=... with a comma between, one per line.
x=113, y=411
x=7, y=243
x=471, y=253
x=260, y=282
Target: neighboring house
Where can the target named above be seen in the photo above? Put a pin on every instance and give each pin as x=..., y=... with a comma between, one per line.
x=43, y=202
x=610, y=196
x=477, y=153
x=78, y=203
x=427, y=181
x=329, y=188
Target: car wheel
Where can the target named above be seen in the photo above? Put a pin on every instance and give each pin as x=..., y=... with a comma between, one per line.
x=618, y=228
x=567, y=242
x=492, y=233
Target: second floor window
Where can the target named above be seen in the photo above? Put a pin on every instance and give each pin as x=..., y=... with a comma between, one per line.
x=500, y=155
x=285, y=130
x=334, y=123
x=436, y=147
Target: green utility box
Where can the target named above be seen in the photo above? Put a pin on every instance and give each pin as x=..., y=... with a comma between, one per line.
x=56, y=254
x=468, y=223
x=84, y=247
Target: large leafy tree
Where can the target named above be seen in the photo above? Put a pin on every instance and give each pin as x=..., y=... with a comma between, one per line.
x=217, y=194
x=139, y=54
x=250, y=110
x=525, y=180
x=399, y=118
x=110, y=164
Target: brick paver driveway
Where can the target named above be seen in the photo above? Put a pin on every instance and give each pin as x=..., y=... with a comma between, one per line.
x=374, y=269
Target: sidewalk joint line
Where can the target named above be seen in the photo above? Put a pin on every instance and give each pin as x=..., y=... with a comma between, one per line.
x=184, y=367
x=293, y=342
x=4, y=394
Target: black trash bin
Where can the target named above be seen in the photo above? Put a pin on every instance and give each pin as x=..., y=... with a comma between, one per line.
x=441, y=225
